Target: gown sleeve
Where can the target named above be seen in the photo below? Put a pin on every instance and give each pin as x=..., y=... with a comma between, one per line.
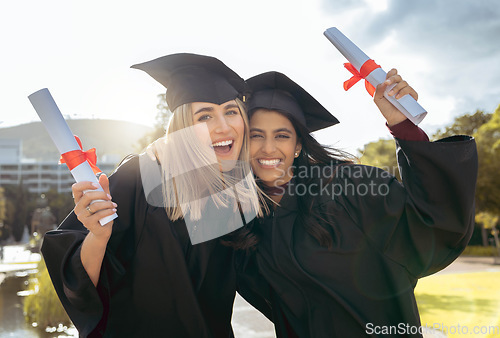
x=251, y=284
x=424, y=222
x=407, y=131
x=86, y=305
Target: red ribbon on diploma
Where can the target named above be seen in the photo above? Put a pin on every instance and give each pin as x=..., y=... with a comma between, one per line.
x=76, y=157
x=365, y=70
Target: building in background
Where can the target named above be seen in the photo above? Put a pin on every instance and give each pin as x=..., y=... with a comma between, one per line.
x=38, y=177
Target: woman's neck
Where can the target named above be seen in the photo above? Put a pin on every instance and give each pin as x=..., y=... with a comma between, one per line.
x=276, y=198
x=274, y=191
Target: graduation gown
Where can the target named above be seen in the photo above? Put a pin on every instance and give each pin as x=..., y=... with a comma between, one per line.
x=386, y=235
x=153, y=282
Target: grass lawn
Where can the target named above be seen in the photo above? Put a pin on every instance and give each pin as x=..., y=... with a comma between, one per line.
x=466, y=304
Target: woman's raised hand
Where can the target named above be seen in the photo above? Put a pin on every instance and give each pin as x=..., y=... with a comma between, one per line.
x=391, y=113
x=93, y=206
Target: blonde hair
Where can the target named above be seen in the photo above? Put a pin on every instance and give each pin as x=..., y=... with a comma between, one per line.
x=191, y=173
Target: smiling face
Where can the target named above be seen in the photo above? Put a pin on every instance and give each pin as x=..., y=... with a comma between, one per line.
x=273, y=144
x=226, y=127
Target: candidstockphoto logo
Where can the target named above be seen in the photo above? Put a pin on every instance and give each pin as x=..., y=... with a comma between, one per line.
x=181, y=170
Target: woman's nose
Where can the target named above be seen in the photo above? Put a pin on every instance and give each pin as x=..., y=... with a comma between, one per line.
x=221, y=125
x=268, y=147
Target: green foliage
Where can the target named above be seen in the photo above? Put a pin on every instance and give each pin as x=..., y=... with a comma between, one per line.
x=487, y=219
x=4, y=231
x=162, y=117
x=381, y=154
x=485, y=127
x=60, y=204
x=19, y=204
x=3, y=206
x=479, y=250
x=467, y=124
x=488, y=147
x=42, y=306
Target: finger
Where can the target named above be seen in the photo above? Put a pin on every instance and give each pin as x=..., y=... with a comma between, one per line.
x=96, y=217
x=104, y=182
x=101, y=205
x=90, y=198
x=379, y=91
x=391, y=78
x=405, y=91
x=91, y=222
x=78, y=189
x=392, y=72
x=86, y=211
x=394, y=79
x=397, y=88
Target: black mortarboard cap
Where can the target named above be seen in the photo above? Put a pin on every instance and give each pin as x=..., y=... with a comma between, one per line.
x=275, y=91
x=194, y=78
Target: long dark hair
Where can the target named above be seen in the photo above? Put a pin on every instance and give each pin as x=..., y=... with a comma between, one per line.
x=312, y=154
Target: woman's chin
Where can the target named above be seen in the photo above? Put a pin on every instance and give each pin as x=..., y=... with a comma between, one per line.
x=227, y=161
x=227, y=165
x=271, y=181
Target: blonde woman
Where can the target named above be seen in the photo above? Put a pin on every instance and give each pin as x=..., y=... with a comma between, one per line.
x=160, y=269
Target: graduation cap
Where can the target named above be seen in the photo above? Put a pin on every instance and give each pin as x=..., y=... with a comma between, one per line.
x=194, y=78
x=275, y=91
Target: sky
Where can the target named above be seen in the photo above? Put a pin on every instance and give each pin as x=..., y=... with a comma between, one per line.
x=447, y=50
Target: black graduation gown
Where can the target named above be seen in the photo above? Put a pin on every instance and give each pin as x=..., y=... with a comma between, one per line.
x=384, y=239
x=153, y=282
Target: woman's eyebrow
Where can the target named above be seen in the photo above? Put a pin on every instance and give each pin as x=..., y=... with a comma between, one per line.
x=231, y=106
x=274, y=131
x=283, y=129
x=204, y=109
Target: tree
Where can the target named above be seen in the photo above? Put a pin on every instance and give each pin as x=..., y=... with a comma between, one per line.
x=488, y=183
x=489, y=221
x=162, y=117
x=3, y=215
x=20, y=204
x=482, y=126
x=485, y=127
x=3, y=206
x=60, y=204
x=381, y=154
x=466, y=124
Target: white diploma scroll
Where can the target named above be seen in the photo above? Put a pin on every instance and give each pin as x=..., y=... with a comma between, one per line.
x=62, y=136
x=406, y=105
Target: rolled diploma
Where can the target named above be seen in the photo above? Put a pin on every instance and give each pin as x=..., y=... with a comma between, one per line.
x=406, y=105
x=63, y=138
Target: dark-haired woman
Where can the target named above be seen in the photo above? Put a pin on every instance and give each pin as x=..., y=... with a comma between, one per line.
x=344, y=244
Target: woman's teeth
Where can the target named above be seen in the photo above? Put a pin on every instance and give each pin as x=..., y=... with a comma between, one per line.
x=222, y=146
x=222, y=143
x=269, y=162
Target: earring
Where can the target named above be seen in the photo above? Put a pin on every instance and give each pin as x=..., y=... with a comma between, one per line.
x=296, y=154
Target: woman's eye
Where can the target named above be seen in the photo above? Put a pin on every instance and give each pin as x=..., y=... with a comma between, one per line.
x=282, y=136
x=232, y=112
x=255, y=136
x=204, y=117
